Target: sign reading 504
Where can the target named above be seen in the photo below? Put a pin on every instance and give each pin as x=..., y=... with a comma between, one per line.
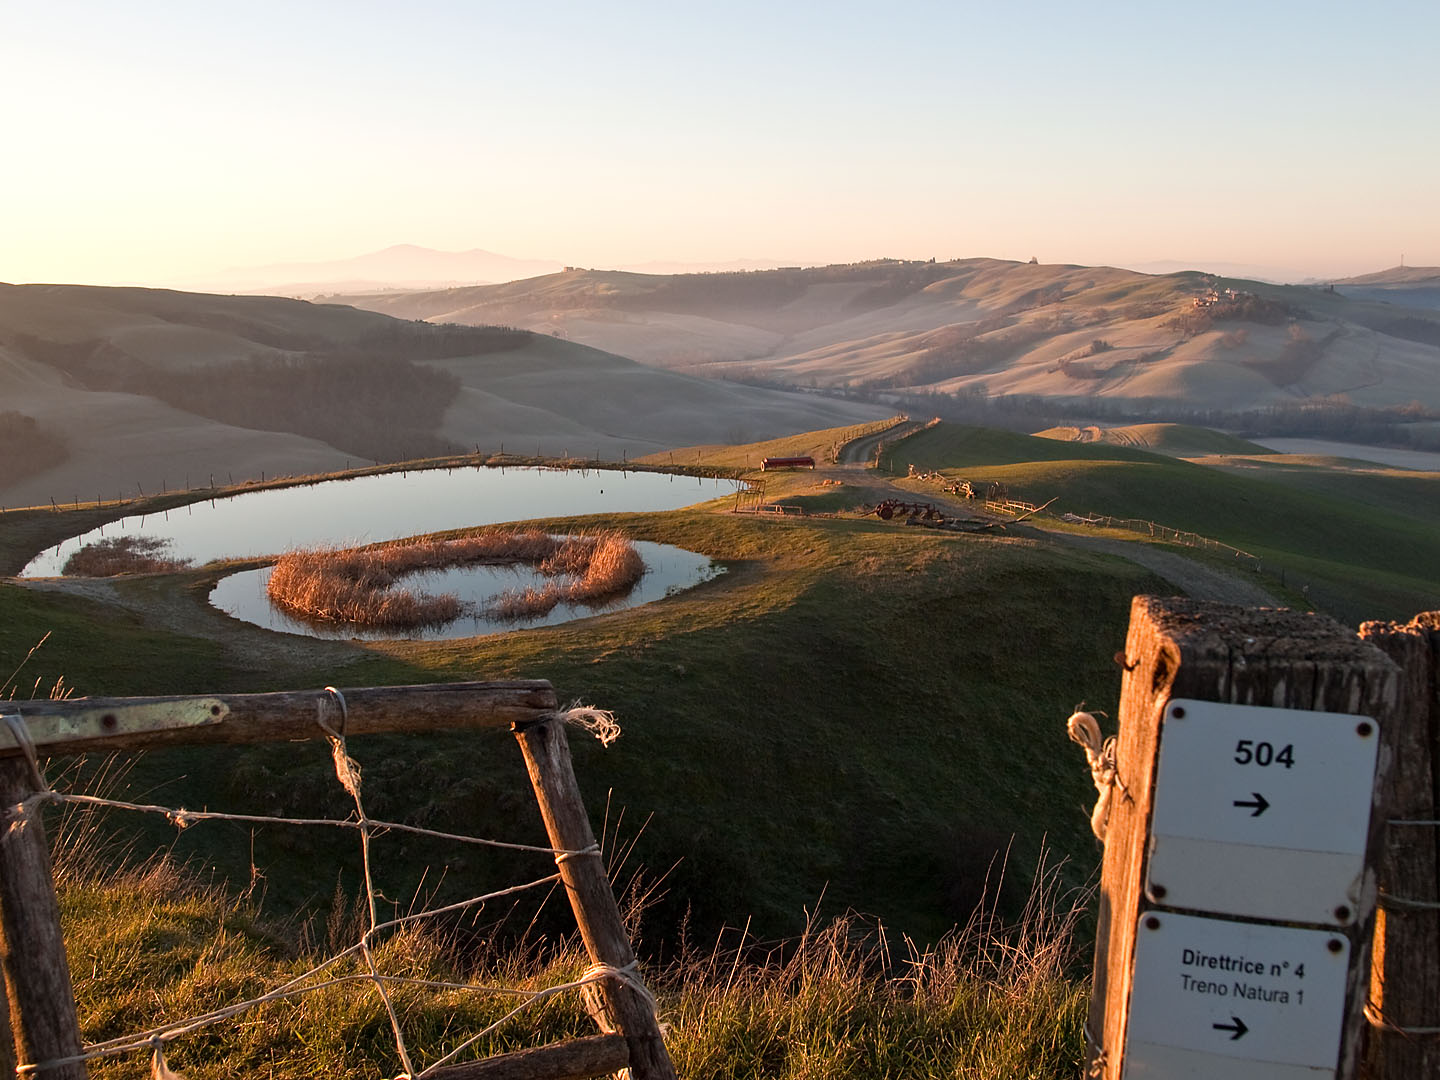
x=1264, y=754
x=1261, y=812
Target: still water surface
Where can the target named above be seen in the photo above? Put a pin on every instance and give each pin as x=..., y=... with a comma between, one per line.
x=367, y=509
x=667, y=570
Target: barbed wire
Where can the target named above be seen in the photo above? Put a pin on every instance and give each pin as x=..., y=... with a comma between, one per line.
x=348, y=772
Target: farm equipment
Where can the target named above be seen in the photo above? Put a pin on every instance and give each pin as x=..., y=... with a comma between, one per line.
x=929, y=515
x=924, y=511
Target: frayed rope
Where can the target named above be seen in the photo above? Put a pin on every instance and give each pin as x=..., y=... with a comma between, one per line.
x=1084, y=729
x=598, y=722
x=159, y=1070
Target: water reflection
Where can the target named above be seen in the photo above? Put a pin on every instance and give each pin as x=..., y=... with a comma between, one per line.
x=366, y=509
x=667, y=570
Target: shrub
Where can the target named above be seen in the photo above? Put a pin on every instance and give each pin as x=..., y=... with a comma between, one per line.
x=122, y=555
x=27, y=447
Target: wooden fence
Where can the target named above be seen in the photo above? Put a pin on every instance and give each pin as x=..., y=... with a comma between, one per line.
x=41, y=1006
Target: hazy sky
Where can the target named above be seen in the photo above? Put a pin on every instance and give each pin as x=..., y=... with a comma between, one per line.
x=148, y=142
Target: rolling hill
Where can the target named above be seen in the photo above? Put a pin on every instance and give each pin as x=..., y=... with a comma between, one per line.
x=980, y=326
x=118, y=390
x=1402, y=286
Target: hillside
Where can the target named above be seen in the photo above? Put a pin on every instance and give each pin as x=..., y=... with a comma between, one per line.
x=1416, y=287
x=1365, y=539
x=1177, y=440
x=982, y=327
x=118, y=390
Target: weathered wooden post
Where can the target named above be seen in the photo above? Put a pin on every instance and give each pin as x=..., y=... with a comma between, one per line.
x=630, y=1012
x=32, y=949
x=1405, y=971
x=1236, y=903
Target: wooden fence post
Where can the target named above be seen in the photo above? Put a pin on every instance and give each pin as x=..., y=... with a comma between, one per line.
x=32, y=949
x=7, y=1039
x=1178, y=648
x=1405, y=973
x=547, y=758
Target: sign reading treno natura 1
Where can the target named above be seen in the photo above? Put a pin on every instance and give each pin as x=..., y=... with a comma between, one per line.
x=1215, y=998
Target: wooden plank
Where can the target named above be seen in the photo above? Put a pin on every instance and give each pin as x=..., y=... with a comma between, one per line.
x=1245, y=656
x=578, y=1059
x=82, y=724
x=32, y=949
x=1405, y=972
x=547, y=757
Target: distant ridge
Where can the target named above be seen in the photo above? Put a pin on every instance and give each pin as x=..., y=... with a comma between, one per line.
x=401, y=266
x=1396, y=275
x=986, y=327
x=120, y=390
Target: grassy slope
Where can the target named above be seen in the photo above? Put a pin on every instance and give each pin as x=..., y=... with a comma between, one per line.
x=1369, y=543
x=820, y=445
x=834, y=658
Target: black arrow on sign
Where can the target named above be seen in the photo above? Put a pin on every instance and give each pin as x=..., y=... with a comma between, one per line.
x=1238, y=1027
x=1260, y=804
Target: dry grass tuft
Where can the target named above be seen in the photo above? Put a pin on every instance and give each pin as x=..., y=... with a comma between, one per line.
x=122, y=555
x=356, y=585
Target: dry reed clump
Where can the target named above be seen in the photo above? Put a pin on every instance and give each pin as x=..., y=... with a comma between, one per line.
x=122, y=555
x=356, y=585
x=599, y=568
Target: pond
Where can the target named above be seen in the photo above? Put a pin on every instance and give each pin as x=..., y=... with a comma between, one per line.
x=667, y=570
x=366, y=509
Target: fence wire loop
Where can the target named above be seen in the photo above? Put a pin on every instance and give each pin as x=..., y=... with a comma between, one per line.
x=21, y=730
x=19, y=814
x=599, y=722
x=1405, y=903
x=1098, y=1058
x=1376, y=1019
x=566, y=856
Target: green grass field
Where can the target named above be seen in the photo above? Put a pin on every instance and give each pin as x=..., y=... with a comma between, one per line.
x=1367, y=543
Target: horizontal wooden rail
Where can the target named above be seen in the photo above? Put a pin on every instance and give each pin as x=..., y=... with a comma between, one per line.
x=578, y=1059
x=84, y=724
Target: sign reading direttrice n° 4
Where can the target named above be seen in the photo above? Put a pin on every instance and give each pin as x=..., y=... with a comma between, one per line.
x=1260, y=812
x=1219, y=1000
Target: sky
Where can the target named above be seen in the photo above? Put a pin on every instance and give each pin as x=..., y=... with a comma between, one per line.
x=153, y=143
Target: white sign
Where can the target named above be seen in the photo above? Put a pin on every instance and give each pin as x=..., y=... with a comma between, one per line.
x=1262, y=812
x=1209, y=995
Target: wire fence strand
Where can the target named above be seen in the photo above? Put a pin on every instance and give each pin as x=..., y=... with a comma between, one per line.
x=331, y=716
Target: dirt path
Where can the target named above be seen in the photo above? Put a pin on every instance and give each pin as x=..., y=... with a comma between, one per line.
x=1196, y=580
x=862, y=451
